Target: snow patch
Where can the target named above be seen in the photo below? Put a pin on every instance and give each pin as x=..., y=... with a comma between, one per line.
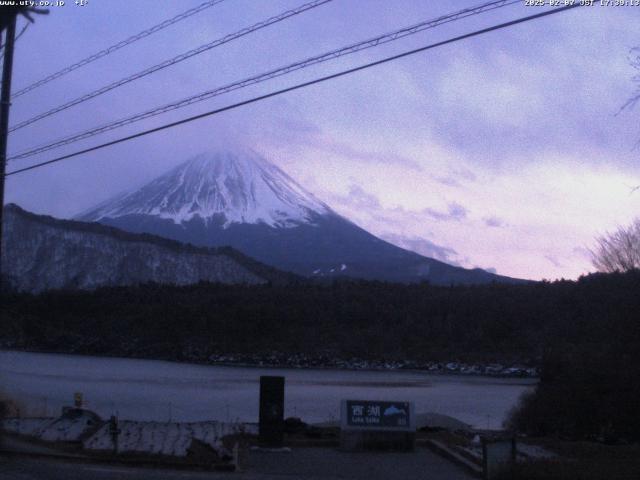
x=160, y=438
x=164, y=438
x=241, y=188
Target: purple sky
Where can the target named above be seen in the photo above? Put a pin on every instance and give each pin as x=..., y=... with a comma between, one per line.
x=503, y=151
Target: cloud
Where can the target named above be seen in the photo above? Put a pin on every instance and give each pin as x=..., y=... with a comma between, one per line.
x=284, y=124
x=369, y=206
x=424, y=247
x=494, y=221
x=583, y=252
x=554, y=261
x=448, y=181
x=455, y=212
x=365, y=208
x=333, y=147
x=361, y=199
x=454, y=177
x=505, y=104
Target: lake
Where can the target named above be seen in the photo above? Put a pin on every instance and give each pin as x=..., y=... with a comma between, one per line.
x=162, y=391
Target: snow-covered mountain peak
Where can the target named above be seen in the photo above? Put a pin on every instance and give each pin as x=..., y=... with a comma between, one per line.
x=242, y=187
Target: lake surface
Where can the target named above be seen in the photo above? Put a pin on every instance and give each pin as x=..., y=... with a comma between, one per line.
x=162, y=391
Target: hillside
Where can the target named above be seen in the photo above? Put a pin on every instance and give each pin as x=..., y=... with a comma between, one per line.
x=41, y=252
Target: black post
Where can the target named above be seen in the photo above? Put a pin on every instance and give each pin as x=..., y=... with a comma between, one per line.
x=114, y=431
x=5, y=103
x=271, y=411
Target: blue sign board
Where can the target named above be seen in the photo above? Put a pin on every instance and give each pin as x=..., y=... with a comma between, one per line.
x=377, y=415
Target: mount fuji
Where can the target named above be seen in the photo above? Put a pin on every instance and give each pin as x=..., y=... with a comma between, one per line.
x=242, y=200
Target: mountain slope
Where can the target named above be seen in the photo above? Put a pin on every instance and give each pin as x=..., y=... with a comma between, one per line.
x=240, y=199
x=239, y=188
x=41, y=252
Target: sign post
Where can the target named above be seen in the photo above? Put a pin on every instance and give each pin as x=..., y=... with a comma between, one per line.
x=114, y=431
x=271, y=411
x=377, y=425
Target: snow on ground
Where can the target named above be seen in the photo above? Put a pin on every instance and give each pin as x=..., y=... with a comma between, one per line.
x=25, y=426
x=155, y=438
x=65, y=429
x=163, y=438
x=69, y=427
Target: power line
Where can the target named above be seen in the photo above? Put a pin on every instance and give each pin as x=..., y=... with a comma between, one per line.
x=330, y=55
x=22, y=30
x=177, y=59
x=299, y=86
x=117, y=46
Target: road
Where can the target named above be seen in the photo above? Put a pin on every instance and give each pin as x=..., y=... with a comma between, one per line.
x=301, y=463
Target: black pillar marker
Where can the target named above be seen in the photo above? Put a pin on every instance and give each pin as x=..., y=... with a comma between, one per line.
x=271, y=411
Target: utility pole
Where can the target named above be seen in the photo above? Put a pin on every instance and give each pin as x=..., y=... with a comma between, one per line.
x=5, y=104
x=8, y=18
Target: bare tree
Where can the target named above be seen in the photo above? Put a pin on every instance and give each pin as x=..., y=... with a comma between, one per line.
x=618, y=251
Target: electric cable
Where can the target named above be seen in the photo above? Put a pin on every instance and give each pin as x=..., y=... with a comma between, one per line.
x=299, y=86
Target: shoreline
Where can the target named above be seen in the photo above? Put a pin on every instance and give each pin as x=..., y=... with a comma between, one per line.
x=360, y=365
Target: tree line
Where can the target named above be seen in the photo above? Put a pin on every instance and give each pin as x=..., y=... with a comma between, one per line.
x=585, y=334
